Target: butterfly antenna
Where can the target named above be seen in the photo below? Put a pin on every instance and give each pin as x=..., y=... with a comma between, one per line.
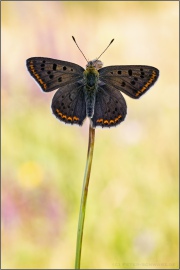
x=106, y=48
x=79, y=48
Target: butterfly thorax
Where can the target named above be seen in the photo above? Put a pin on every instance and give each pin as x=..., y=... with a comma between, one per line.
x=91, y=78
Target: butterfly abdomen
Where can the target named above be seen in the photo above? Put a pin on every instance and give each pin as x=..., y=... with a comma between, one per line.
x=91, y=77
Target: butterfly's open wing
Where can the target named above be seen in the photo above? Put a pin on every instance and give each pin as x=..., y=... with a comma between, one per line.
x=110, y=107
x=50, y=74
x=68, y=104
x=134, y=81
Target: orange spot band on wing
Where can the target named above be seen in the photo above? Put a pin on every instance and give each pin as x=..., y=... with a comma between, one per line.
x=99, y=120
x=69, y=118
x=109, y=122
x=37, y=76
x=75, y=118
x=147, y=84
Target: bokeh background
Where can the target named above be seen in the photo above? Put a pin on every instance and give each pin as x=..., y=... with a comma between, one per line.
x=132, y=209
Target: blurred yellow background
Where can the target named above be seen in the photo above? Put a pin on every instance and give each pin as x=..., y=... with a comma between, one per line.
x=132, y=208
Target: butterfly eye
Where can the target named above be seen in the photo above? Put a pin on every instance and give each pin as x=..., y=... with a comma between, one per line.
x=89, y=64
x=97, y=64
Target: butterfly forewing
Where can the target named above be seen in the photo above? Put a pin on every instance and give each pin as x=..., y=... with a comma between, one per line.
x=68, y=104
x=110, y=107
x=132, y=80
x=50, y=74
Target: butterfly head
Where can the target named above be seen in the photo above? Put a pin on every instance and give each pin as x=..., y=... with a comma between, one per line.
x=97, y=64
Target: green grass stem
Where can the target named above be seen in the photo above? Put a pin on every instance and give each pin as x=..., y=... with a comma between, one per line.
x=84, y=196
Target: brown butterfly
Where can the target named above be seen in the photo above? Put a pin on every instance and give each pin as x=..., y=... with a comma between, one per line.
x=94, y=92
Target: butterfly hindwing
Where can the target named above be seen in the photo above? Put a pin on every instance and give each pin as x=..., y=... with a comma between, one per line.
x=134, y=81
x=68, y=104
x=51, y=74
x=110, y=107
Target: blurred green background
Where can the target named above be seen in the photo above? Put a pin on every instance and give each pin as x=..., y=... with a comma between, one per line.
x=132, y=208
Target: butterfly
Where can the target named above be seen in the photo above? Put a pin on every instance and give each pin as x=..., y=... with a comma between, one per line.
x=94, y=92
